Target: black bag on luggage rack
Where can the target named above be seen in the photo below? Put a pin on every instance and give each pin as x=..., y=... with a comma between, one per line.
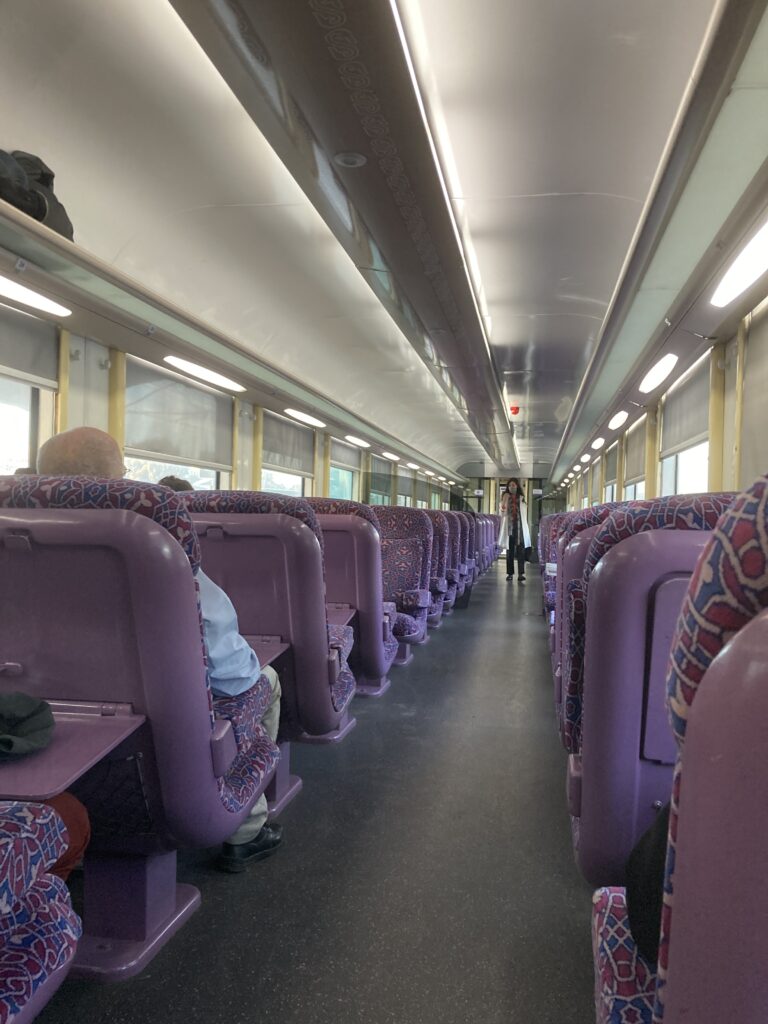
x=27, y=183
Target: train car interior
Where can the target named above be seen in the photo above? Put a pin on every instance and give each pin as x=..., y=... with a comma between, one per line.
x=383, y=511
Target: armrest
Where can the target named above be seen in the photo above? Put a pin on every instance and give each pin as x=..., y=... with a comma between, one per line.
x=453, y=575
x=413, y=600
x=438, y=584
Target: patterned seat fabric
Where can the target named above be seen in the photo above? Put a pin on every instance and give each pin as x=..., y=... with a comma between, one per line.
x=406, y=560
x=438, y=583
x=683, y=512
x=728, y=588
x=245, y=711
x=550, y=577
x=340, y=507
x=261, y=503
x=39, y=929
x=453, y=560
x=163, y=506
x=624, y=982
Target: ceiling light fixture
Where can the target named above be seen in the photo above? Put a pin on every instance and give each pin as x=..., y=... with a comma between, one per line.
x=749, y=265
x=412, y=465
x=203, y=373
x=304, y=417
x=618, y=420
x=598, y=443
x=391, y=456
x=442, y=478
x=451, y=483
x=356, y=440
x=577, y=468
x=585, y=457
x=428, y=472
x=658, y=373
x=11, y=289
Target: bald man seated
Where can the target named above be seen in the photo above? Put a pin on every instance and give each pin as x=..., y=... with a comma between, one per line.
x=233, y=667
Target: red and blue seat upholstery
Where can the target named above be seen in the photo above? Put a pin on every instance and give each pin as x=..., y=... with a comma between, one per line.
x=406, y=565
x=453, y=561
x=438, y=581
x=39, y=930
x=729, y=588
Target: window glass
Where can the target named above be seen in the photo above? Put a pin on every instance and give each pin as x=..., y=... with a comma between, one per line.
x=585, y=502
x=421, y=504
x=404, y=499
x=15, y=424
x=434, y=500
x=342, y=483
x=610, y=492
x=668, y=475
x=693, y=469
x=446, y=506
x=275, y=482
x=152, y=472
x=611, y=463
x=377, y=498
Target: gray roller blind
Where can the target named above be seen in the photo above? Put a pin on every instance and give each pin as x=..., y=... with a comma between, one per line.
x=288, y=445
x=404, y=476
x=754, y=456
x=167, y=416
x=422, y=489
x=611, y=464
x=381, y=475
x=29, y=346
x=634, y=453
x=585, y=484
x=685, y=414
x=345, y=454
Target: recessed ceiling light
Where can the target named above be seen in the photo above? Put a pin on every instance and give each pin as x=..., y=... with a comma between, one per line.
x=304, y=417
x=391, y=456
x=203, y=373
x=658, y=373
x=11, y=289
x=356, y=440
x=586, y=457
x=618, y=420
x=577, y=469
x=349, y=161
x=428, y=472
x=749, y=265
x=451, y=482
x=598, y=443
x=442, y=478
x=411, y=465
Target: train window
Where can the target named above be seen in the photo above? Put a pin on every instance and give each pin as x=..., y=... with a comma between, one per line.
x=380, y=484
x=292, y=484
x=635, y=492
x=609, y=493
x=686, y=472
x=342, y=483
x=404, y=499
x=434, y=500
x=15, y=424
x=172, y=422
x=152, y=471
x=421, y=504
x=377, y=498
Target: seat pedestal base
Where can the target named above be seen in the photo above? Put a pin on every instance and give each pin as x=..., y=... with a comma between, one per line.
x=283, y=786
x=346, y=725
x=372, y=687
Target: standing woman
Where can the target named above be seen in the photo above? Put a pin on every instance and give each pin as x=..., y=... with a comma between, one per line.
x=512, y=508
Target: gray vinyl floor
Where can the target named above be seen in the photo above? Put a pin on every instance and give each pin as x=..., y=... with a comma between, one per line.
x=426, y=875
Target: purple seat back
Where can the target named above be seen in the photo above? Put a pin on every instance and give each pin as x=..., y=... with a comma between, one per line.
x=682, y=512
x=438, y=583
x=353, y=577
x=570, y=568
x=715, y=877
x=627, y=749
x=101, y=571
x=265, y=552
x=453, y=558
x=410, y=524
x=464, y=538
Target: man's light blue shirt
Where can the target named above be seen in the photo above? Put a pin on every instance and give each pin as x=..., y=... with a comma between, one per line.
x=233, y=666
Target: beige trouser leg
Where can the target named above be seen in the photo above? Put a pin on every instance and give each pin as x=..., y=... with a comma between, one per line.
x=254, y=823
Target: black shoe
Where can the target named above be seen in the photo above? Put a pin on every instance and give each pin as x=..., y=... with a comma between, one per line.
x=510, y=576
x=236, y=857
x=521, y=579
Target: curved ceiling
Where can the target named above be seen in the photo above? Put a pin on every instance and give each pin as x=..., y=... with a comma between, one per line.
x=167, y=179
x=551, y=120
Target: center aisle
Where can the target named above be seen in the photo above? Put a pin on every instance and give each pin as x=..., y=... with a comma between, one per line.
x=426, y=874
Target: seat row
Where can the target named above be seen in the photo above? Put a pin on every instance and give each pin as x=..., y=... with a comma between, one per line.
x=649, y=604
x=101, y=618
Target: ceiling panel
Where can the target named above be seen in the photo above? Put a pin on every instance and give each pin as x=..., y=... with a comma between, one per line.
x=551, y=119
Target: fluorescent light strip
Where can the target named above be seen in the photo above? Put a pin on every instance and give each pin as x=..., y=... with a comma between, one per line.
x=658, y=373
x=356, y=440
x=749, y=265
x=304, y=417
x=11, y=289
x=440, y=175
x=203, y=373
